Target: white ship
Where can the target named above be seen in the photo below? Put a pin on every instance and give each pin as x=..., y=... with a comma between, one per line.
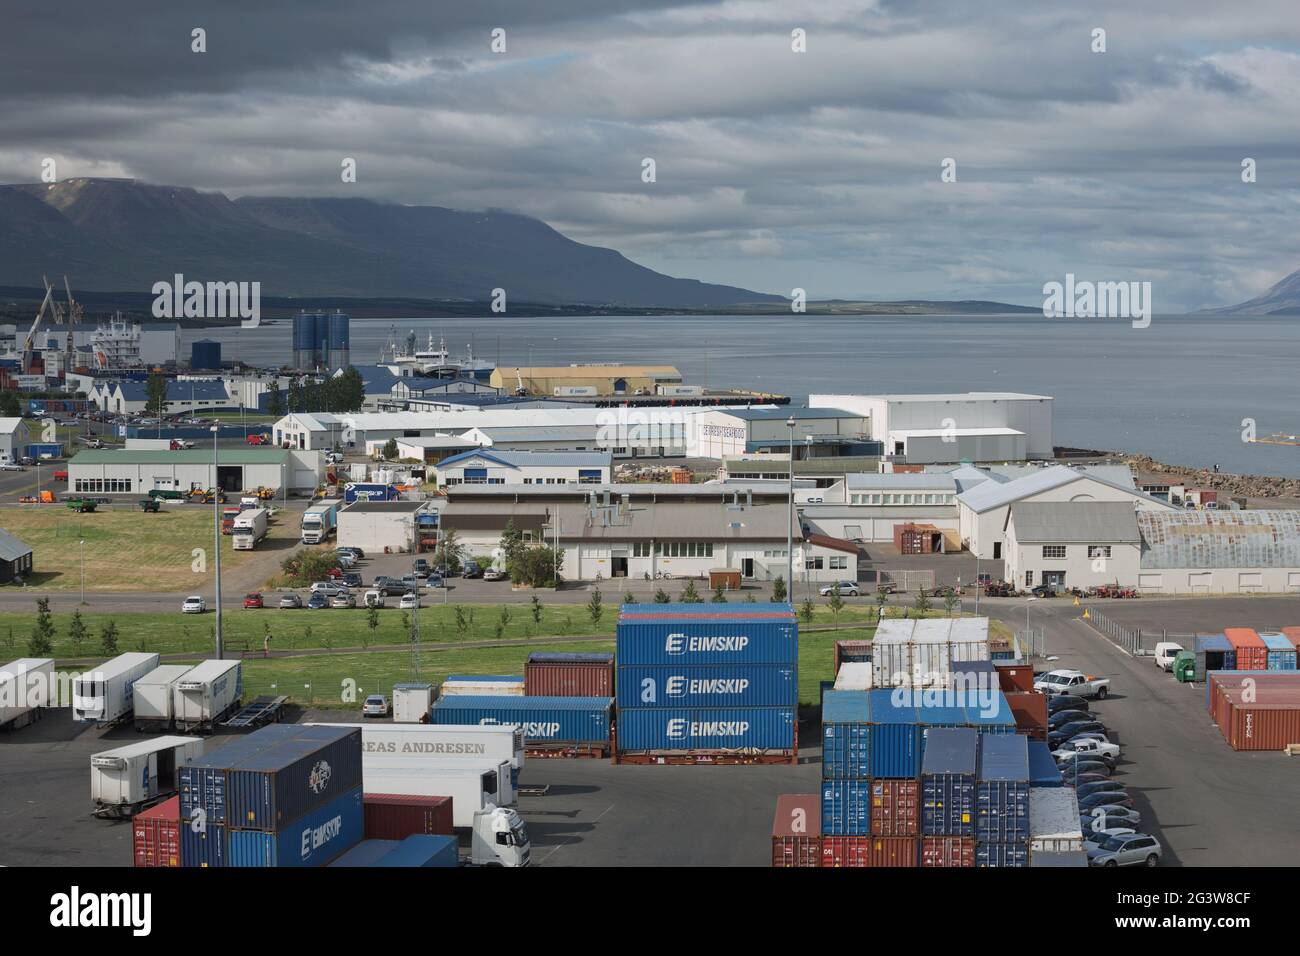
x=431, y=361
x=116, y=344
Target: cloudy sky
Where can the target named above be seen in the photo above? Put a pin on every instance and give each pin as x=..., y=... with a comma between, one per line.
x=775, y=169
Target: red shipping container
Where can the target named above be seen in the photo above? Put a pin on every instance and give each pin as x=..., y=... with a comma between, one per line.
x=893, y=852
x=895, y=808
x=853, y=851
x=569, y=675
x=1252, y=652
x=796, y=831
x=1257, y=711
x=396, y=816
x=948, y=851
x=156, y=835
x=1030, y=711
x=1015, y=677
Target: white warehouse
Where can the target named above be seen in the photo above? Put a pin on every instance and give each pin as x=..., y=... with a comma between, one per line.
x=486, y=466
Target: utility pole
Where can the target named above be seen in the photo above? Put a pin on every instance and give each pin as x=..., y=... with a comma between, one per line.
x=789, y=533
x=216, y=537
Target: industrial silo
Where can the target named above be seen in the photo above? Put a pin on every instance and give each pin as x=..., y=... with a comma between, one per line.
x=320, y=339
x=304, y=337
x=339, y=347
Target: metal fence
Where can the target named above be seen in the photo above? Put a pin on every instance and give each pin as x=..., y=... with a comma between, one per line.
x=1135, y=640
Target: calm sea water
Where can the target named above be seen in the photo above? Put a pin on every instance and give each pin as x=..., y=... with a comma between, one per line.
x=1177, y=390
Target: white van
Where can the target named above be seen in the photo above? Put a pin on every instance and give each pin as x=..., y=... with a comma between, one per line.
x=1166, y=651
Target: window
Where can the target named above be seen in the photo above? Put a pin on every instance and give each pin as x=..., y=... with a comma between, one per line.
x=813, y=564
x=839, y=564
x=1099, y=551
x=1029, y=578
x=685, y=549
x=1053, y=550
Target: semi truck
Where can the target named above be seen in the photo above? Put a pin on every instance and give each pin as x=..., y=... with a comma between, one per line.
x=319, y=521
x=250, y=529
x=205, y=695
x=26, y=688
x=129, y=779
x=418, y=743
x=228, y=516
x=153, y=697
x=472, y=784
x=106, y=694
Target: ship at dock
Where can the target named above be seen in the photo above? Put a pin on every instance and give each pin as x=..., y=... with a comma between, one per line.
x=404, y=358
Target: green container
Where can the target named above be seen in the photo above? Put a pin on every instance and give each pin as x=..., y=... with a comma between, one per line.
x=1185, y=666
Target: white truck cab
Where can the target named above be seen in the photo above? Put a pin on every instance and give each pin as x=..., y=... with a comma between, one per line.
x=499, y=838
x=1166, y=651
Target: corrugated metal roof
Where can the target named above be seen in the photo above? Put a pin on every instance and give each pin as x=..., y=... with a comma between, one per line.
x=539, y=432
x=11, y=548
x=988, y=495
x=191, y=456
x=1074, y=522
x=900, y=481
x=769, y=412
x=533, y=459
x=8, y=425
x=1219, y=539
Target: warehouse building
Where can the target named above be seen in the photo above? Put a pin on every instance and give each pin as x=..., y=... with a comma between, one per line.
x=586, y=380
x=870, y=508
x=183, y=396
x=138, y=471
x=15, y=558
x=14, y=439
x=495, y=467
x=429, y=450
x=1072, y=543
x=378, y=527
x=1219, y=552
x=817, y=432
x=407, y=389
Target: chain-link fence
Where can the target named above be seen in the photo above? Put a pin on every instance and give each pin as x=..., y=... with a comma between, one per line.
x=1137, y=641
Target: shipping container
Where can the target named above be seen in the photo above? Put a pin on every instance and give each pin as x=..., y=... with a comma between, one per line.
x=948, y=772
x=127, y=778
x=482, y=685
x=106, y=694
x=1281, y=652
x=896, y=744
x=931, y=650
x=991, y=714
x=692, y=634
x=395, y=816
x=153, y=696
x=1054, y=820
x=743, y=685
x=969, y=639
x=205, y=695
x=1214, y=653
x=1001, y=854
x=1252, y=653
x=470, y=784
x=1015, y=676
x=846, y=807
x=1256, y=710
x=846, y=735
x=729, y=728
x=423, y=851
x=1049, y=858
x=271, y=789
x=852, y=652
x=156, y=835
x=975, y=676
x=891, y=652
x=796, y=831
x=1043, y=771
x=569, y=675
x=204, y=846
x=366, y=853
x=947, y=851
x=1030, y=713
x=315, y=838
x=846, y=851
x=854, y=675
x=26, y=686
x=1002, y=791
x=544, y=720
x=412, y=703
x=203, y=782
x=895, y=808
x=419, y=742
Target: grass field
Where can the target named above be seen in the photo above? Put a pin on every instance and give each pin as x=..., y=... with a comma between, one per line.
x=126, y=549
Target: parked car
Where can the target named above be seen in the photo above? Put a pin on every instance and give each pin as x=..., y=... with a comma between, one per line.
x=353, y=579
x=390, y=586
x=1061, y=717
x=355, y=552
x=1081, y=778
x=436, y=581
x=317, y=601
x=253, y=600
x=10, y=466
x=409, y=602
x=376, y=705
x=1166, y=651
x=194, y=605
x=345, y=559
x=290, y=601
x=411, y=583
x=1105, y=799
x=1107, y=817
x=328, y=588
x=334, y=574
x=1072, y=729
x=374, y=598
x=1098, y=786
x=471, y=570
x=847, y=589
x=1134, y=849
x=1044, y=591
x=1065, y=702
x=343, y=600
x=491, y=574
x=421, y=567
x=1084, y=767
x=1092, y=839
x=1073, y=682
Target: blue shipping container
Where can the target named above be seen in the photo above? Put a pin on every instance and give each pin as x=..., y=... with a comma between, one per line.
x=948, y=782
x=745, y=685
x=895, y=735
x=846, y=807
x=1043, y=771
x=202, y=784
x=726, y=728
x=271, y=789
x=368, y=491
x=1001, y=854
x=543, y=719
x=366, y=853
x=1281, y=652
x=424, y=850
x=846, y=735
x=324, y=833
x=693, y=634
x=206, y=847
x=1002, y=792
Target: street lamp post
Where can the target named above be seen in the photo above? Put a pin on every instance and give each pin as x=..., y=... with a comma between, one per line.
x=83, y=570
x=789, y=534
x=216, y=537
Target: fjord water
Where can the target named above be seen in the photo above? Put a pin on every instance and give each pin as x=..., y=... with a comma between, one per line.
x=1177, y=390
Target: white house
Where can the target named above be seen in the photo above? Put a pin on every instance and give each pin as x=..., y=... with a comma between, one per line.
x=14, y=439
x=493, y=466
x=1072, y=543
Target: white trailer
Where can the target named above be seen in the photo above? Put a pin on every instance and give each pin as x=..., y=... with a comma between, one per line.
x=133, y=778
x=153, y=696
x=412, y=703
x=420, y=743
x=26, y=688
x=207, y=694
x=473, y=785
x=320, y=520
x=249, y=529
x=106, y=694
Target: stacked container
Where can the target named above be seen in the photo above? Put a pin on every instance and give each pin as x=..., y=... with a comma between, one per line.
x=1252, y=652
x=569, y=675
x=923, y=653
x=697, y=684
x=156, y=835
x=482, y=685
x=396, y=816
x=1054, y=821
x=1281, y=650
x=1255, y=710
x=1214, y=653
x=948, y=780
x=1002, y=801
x=552, y=726
x=796, y=831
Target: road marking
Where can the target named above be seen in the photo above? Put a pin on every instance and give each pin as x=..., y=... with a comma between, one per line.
x=575, y=839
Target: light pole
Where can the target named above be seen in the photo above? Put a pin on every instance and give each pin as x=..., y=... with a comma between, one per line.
x=216, y=536
x=83, y=570
x=1029, y=635
x=789, y=533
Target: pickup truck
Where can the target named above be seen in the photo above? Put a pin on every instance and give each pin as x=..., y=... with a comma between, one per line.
x=1072, y=682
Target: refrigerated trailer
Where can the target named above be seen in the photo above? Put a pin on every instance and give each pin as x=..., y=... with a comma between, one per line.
x=153, y=696
x=319, y=521
x=473, y=785
x=418, y=743
x=26, y=689
x=130, y=779
x=205, y=695
x=106, y=694
x=250, y=529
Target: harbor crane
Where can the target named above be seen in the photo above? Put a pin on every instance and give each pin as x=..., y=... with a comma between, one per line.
x=28, y=358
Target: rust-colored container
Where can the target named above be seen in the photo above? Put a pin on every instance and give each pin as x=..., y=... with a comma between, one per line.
x=726, y=578
x=796, y=831
x=1015, y=678
x=569, y=675
x=396, y=816
x=893, y=852
x=850, y=851
x=156, y=835
x=1252, y=652
x=1259, y=711
x=895, y=808
x=948, y=851
x=1030, y=711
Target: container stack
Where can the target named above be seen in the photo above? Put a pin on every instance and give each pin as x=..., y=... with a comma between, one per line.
x=482, y=685
x=552, y=726
x=948, y=778
x=1055, y=833
x=1252, y=652
x=569, y=675
x=1255, y=710
x=796, y=831
x=908, y=652
x=1281, y=650
x=700, y=685
x=1002, y=801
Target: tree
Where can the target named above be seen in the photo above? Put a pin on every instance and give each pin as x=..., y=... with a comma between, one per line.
x=462, y=619
x=295, y=395
x=690, y=595
x=594, y=608
x=449, y=551
x=77, y=630
x=950, y=600
x=390, y=450
x=662, y=597
x=536, y=608
x=536, y=567
x=778, y=590
x=372, y=622
x=41, y=643
x=719, y=595
x=836, y=604
x=628, y=598
x=511, y=545
x=806, y=612
x=922, y=602
x=108, y=638
x=274, y=400
x=345, y=392
x=10, y=407
x=505, y=617
x=155, y=389
x=750, y=599
x=882, y=598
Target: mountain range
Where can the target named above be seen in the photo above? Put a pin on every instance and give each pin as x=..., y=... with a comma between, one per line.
x=1283, y=298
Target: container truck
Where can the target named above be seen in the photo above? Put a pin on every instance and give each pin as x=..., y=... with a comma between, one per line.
x=26, y=688
x=471, y=784
x=129, y=779
x=369, y=491
x=106, y=694
x=417, y=743
x=228, y=516
x=250, y=529
x=153, y=697
x=205, y=695
x=319, y=521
